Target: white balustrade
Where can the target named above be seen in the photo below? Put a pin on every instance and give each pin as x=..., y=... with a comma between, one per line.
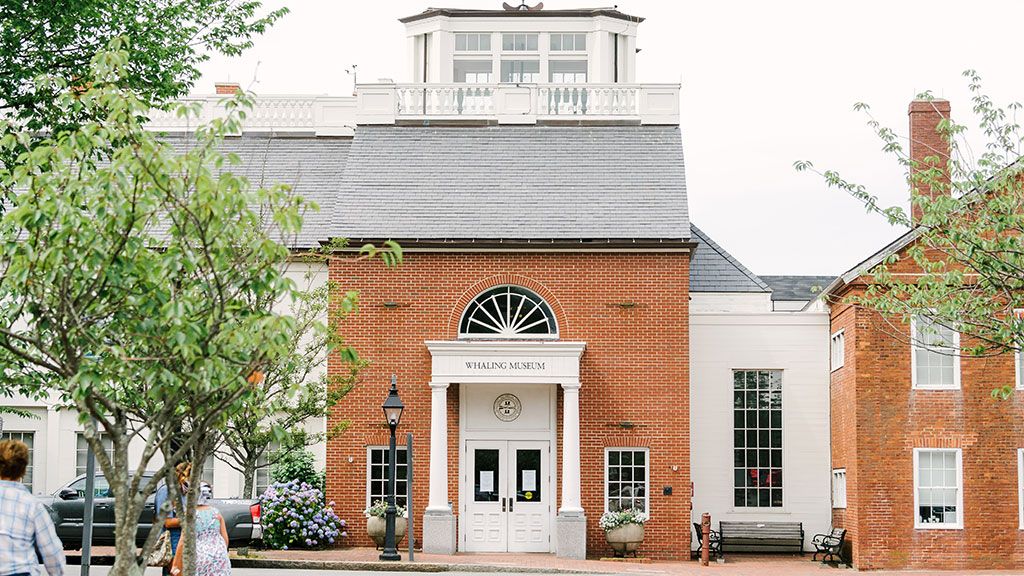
x=386, y=103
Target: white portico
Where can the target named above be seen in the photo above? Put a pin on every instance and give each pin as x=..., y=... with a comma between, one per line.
x=507, y=448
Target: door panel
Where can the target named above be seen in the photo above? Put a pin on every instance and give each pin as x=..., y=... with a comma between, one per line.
x=529, y=510
x=509, y=509
x=487, y=523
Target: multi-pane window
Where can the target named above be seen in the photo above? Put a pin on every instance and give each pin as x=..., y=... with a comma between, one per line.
x=1020, y=487
x=82, y=451
x=520, y=71
x=263, y=468
x=938, y=497
x=568, y=42
x=29, y=439
x=625, y=479
x=757, y=439
x=472, y=71
x=1019, y=365
x=378, y=459
x=519, y=42
x=208, y=469
x=472, y=42
x=839, y=488
x=936, y=361
x=838, y=350
x=567, y=71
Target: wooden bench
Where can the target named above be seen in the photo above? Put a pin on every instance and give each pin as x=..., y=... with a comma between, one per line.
x=830, y=545
x=762, y=536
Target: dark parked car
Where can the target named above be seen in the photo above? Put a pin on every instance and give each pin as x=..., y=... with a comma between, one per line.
x=66, y=507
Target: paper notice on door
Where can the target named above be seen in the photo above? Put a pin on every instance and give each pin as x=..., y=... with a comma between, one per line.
x=486, y=481
x=529, y=479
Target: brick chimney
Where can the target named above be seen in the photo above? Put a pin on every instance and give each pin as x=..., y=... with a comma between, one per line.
x=227, y=88
x=925, y=141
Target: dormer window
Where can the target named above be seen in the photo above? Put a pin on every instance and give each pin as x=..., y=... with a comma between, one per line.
x=519, y=42
x=472, y=42
x=568, y=42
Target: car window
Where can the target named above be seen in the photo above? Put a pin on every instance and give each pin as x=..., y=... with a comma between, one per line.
x=101, y=489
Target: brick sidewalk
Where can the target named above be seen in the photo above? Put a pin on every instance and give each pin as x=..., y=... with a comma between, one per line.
x=736, y=564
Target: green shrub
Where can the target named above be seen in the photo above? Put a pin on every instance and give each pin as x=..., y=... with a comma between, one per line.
x=298, y=465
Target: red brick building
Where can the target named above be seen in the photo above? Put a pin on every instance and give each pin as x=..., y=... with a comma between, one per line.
x=925, y=462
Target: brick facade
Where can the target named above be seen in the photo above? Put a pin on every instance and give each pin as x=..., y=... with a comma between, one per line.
x=635, y=369
x=878, y=420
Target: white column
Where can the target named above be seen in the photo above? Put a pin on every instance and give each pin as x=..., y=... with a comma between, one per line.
x=571, y=502
x=438, y=501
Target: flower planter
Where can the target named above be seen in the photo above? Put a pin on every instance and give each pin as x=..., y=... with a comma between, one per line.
x=376, y=527
x=625, y=538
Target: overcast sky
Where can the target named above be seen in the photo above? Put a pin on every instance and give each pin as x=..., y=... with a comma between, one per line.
x=763, y=84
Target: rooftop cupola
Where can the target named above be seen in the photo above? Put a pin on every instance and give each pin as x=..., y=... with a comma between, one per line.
x=522, y=44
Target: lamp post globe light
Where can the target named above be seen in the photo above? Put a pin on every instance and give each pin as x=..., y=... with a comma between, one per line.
x=393, y=415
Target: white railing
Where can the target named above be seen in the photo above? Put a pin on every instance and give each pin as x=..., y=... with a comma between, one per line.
x=322, y=115
x=519, y=103
x=389, y=103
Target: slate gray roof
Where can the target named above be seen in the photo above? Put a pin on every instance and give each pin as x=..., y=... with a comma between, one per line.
x=312, y=166
x=712, y=269
x=514, y=183
x=796, y=287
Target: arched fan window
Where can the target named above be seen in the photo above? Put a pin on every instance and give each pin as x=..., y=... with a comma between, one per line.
x=508, y=312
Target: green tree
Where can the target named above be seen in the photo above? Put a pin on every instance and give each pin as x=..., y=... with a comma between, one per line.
x=169, y=40
x=967, y=249
x=289, y=399
x=127, y=270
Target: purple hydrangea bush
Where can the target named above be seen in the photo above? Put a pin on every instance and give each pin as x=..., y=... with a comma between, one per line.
x=295, y=516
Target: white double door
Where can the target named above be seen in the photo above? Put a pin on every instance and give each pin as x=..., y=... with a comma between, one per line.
x=509, y=499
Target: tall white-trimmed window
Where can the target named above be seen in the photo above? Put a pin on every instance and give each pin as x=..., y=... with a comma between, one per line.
x=377, y=460
x=935, y=349
x=1018, y=364
x=625, y=479
x=838, y=350
x=839, y=488
x=757, y=439
x=262, y=480
x=29, y=439
x=82, y=451
x=938, y=488
x=508, y=311
x=1020, y=487
x=208, y=469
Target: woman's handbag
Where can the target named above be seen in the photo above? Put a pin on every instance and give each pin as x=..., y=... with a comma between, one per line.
x=162, y=554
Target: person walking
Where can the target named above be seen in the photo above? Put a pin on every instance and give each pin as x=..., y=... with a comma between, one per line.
x=172, y=524
x=25, y=526
x=211, y=539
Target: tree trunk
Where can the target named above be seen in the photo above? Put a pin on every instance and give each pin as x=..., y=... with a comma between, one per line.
x=250, y=477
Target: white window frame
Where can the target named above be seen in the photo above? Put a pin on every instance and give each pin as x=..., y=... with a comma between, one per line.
x=1020, y=488
x=479, y=35
x=526, y=40
x=959, y=524
x=369, y=464
x=1017, y=365
x=272, y=448
x=838, y=361
x=915, y=346
x=30, y=469
x=103, y=436
x=839, y=488
x=647, y=473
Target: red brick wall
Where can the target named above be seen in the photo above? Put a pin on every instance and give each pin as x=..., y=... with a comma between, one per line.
x=889, y=420
x=635, y=369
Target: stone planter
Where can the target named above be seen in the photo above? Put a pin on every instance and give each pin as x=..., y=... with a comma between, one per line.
x=377, y=526
x=625, y=539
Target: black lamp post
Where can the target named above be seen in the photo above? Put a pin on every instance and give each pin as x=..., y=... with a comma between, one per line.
x=393, y=415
